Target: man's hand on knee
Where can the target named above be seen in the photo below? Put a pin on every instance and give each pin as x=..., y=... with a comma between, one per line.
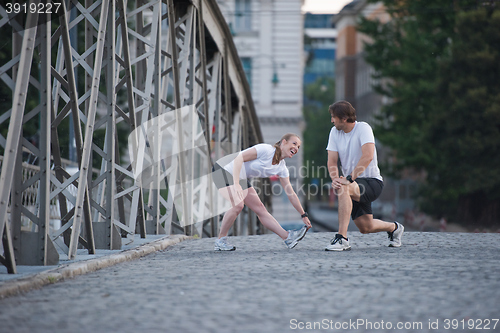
x=339, y=182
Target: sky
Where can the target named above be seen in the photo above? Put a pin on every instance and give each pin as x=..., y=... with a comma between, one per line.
x=324, y=6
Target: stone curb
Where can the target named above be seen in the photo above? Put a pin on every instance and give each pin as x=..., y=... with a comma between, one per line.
x=35, y=281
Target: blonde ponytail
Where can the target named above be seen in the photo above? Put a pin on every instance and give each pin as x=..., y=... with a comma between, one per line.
x=277, y=153
x=277, y=145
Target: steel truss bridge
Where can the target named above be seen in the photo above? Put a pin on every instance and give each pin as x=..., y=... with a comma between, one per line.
x=103, y=69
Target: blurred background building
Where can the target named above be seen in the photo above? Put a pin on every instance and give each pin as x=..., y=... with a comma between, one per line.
x=319, y=46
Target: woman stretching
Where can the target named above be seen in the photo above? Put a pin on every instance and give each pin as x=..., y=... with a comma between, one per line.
x=261, y=160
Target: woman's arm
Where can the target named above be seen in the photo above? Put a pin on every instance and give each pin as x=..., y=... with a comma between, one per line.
x=244, y=156
x=294, y=199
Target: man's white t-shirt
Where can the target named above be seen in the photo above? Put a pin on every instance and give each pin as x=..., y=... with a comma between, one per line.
x=348, y=145
x=262, y=166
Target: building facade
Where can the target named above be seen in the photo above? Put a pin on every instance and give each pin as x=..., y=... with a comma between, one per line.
x=319, y=47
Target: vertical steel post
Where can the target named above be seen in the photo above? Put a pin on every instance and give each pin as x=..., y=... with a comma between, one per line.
x=228, y=107
x=15, y=190
x=50, y=255
x=203, y=60
x=178, y=105
x=114, y=234
x=156, y=112
x=137, y=209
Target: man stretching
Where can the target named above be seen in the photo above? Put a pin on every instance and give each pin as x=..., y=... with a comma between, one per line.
x=354, y=144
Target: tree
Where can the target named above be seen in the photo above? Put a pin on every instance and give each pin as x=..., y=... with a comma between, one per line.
x=437, y=61
x=466, y=131
x=319, y=95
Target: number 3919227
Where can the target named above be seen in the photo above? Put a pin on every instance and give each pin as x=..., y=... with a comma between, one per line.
x=478, y=324
x=40, y=8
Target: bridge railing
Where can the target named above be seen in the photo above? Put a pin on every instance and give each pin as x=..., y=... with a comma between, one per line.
x=104, y=69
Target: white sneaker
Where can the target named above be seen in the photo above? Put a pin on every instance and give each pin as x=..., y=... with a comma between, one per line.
x=221, y=244
x=339, y=243
x=396, y=235
x=294, y=236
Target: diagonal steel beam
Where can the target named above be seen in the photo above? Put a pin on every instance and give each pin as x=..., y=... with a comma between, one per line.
x=87, y=143
x=15, y=126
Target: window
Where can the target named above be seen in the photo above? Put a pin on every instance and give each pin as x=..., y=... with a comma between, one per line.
x=247, y=67
x=322, y=66
x=243, y=16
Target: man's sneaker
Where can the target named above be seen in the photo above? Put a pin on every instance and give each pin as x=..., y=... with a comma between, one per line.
x=294, y=236
x=396, y=235
x=222, y=245
x=339, y=243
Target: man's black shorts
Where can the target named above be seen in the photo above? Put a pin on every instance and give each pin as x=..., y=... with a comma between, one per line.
x=222, y=178
x=370, y=189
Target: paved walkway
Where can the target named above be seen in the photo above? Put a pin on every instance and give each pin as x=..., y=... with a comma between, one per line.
x=435, y=281
x=323, y=218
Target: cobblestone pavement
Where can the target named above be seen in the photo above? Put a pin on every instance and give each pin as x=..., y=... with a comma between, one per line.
x=265, y=287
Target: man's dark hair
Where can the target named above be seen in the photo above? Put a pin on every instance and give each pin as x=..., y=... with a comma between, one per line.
x=343, y=110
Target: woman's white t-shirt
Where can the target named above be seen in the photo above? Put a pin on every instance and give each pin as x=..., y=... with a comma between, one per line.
x=262, y=166
x=348, y=145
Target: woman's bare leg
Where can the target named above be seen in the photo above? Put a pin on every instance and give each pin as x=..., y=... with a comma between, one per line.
x=253, y=202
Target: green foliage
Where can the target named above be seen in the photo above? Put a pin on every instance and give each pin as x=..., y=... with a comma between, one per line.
x=467, y=135
x=439, y=62
x=319, y=95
